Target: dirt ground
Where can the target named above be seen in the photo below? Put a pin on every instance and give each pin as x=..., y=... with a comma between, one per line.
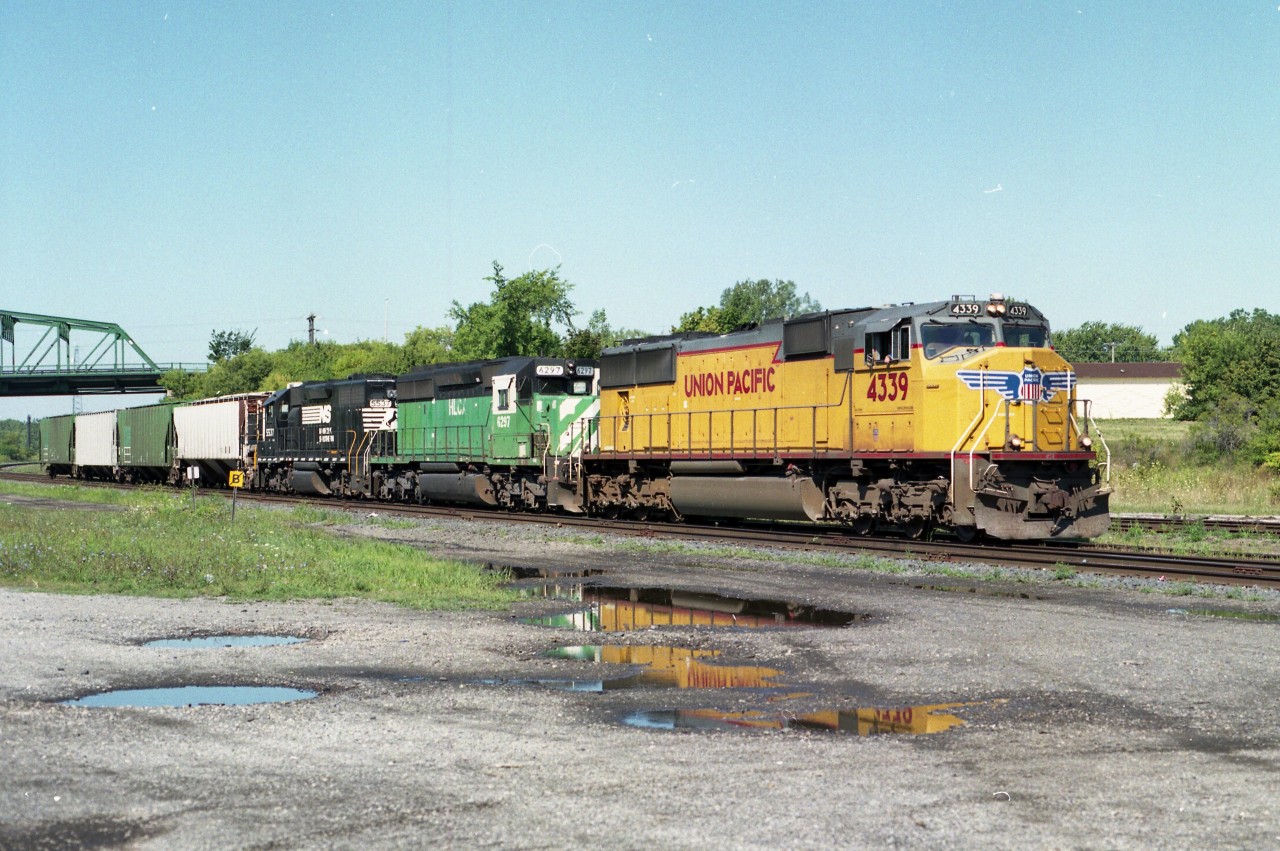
x=1093, y=717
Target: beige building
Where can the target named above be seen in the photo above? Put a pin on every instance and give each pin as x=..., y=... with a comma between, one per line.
x=1127, y=390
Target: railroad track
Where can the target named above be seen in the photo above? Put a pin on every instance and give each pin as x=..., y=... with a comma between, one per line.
x=1174, y=523
x=1058, y=555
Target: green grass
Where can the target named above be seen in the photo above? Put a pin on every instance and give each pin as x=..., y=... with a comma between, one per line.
x=1154, y=470
x=161, y=546
x=98, y=496
x=1163, y=430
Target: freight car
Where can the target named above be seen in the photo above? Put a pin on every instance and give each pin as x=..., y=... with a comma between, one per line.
x=145, y=443
x=155, y=443
x=217, y=436
x=953, y=414
x=58, y=444
x=96, y=447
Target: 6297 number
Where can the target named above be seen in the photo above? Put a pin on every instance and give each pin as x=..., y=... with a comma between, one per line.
x=890, y=387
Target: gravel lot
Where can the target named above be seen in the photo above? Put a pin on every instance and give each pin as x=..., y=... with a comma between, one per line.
x=1097, y=718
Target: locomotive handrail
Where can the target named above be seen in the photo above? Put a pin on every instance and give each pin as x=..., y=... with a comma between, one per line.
x=419, y=448
x=973, y=450
x=964, y=436
x=1089, y=421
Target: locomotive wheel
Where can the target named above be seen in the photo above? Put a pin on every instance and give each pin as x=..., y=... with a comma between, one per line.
x=966, y=534
x=915, y=528
x=864, y=524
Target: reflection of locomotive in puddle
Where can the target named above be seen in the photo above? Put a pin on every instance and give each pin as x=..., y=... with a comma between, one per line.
x=626, y=609
x=670, y=667
x=910, y=720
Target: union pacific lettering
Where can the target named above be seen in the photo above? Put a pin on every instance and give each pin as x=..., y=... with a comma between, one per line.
x=732, y=382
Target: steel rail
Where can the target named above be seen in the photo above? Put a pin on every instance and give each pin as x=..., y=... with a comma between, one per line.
x=1073, y=555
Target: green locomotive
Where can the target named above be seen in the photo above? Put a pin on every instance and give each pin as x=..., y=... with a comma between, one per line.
x=507, y=432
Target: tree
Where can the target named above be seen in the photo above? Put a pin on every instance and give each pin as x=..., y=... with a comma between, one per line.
x=424, y=346
x=1094, y=342
x=13, y=440
x=1238, y=354
x=366, y=356
x=746, y=303
x=244, y=373
x=224, y=345
x=587, y=343
x=517, y=320
x=180, y=384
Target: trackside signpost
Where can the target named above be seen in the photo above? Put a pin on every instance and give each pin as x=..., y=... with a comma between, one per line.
x=193, y=476
x=235, y=481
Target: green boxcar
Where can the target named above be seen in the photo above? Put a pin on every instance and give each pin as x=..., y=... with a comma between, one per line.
x=57, y=444
x=146, y=442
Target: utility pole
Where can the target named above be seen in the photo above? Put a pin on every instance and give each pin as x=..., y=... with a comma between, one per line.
x=1112, y=346
x=311, y=329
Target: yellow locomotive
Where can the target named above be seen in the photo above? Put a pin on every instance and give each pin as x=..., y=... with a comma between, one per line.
x=953, y=414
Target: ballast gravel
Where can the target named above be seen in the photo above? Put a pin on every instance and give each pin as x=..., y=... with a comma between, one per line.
x=1105, y=716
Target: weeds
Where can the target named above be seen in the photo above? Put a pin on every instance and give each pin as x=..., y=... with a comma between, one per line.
x=163, y=547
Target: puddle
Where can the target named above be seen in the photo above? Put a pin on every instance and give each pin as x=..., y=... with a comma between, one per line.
x=1265, y=617
x=192, y=696
x=627, y=609
x=907, y=720
x=981, y=592
x=202, y=642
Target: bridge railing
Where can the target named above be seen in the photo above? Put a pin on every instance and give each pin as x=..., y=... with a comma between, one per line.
x=99, y=369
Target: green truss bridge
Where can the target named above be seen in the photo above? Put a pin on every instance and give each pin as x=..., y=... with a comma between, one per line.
x=74, y=356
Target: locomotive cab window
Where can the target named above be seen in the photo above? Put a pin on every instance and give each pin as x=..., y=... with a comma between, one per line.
x=888, y=346
x=941, y=339
x=505, y=392
x=1026, y=336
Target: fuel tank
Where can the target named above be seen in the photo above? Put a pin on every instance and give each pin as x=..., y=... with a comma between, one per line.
x=466, y=488
x=747, y=497
x=306, y=479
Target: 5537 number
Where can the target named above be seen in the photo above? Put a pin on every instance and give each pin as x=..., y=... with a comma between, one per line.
x=890, y=387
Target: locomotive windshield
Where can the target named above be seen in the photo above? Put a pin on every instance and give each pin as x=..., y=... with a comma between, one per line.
x=1026, y=336
x=567, y=385
x=940, y=338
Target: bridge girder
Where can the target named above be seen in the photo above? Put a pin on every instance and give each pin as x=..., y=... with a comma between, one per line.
x=114, y=362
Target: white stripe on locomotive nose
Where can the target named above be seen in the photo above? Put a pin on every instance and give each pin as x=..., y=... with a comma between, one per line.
x=573, y=425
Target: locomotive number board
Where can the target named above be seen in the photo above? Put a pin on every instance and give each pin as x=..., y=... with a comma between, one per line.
x=973, y=308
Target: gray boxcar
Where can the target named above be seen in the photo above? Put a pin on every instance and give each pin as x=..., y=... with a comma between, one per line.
x=96, y=445
x=218, y=435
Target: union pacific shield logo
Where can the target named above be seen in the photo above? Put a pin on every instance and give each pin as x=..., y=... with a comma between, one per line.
x=1030, y=385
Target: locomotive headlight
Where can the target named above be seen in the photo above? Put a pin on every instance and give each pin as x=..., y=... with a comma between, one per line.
x=1015, y=442
x=1086, y=442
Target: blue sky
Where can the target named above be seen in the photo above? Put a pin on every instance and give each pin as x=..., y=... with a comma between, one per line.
x=179, y=168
